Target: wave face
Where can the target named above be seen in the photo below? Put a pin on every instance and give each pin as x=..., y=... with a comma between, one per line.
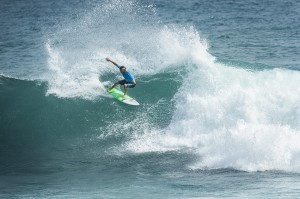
x=218, y=115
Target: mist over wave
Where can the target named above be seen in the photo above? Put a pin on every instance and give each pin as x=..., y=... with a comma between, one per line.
x=129, y=33
x=227, y=116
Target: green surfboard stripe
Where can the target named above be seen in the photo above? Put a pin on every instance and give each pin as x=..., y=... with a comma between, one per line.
x=118, y=94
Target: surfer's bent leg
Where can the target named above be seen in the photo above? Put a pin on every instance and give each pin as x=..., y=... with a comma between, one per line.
x=127, y=85
x=131, y=85
x=125, y=90
x=113, y=86
x=122, y=82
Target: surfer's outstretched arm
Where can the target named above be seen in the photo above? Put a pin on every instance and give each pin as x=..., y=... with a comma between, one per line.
x=114, y=63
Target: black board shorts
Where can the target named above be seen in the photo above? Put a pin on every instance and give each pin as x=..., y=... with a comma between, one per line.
x=128, y=84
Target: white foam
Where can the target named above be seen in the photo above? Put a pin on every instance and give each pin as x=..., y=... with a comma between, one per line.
x=235, y=118
x=250, y=120
x=73, y=79
x=232, y=117
x=229, y=117
x=121, y=30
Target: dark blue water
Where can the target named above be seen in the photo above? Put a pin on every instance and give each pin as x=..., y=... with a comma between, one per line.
x=217, y=82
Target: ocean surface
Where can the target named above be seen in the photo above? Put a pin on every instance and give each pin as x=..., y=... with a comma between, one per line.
x=218, y=83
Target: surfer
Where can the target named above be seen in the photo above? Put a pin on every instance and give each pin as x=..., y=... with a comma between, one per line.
x=127, y=82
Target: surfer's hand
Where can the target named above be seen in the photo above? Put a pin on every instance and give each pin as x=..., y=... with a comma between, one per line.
x=107, y=59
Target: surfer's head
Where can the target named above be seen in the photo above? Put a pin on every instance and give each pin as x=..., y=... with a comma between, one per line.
x=122, y=69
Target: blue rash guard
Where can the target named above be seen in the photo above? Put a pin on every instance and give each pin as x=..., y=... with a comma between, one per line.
x=127, y=75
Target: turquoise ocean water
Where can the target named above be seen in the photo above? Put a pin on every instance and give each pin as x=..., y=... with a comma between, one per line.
x=218, y=83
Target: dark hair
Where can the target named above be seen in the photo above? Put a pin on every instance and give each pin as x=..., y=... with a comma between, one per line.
x=122, y=67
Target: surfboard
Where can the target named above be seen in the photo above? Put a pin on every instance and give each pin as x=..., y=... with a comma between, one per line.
x=119, y=94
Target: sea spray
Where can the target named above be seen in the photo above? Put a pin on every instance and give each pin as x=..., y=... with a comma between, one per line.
x=77, y=52
x=228, y=116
